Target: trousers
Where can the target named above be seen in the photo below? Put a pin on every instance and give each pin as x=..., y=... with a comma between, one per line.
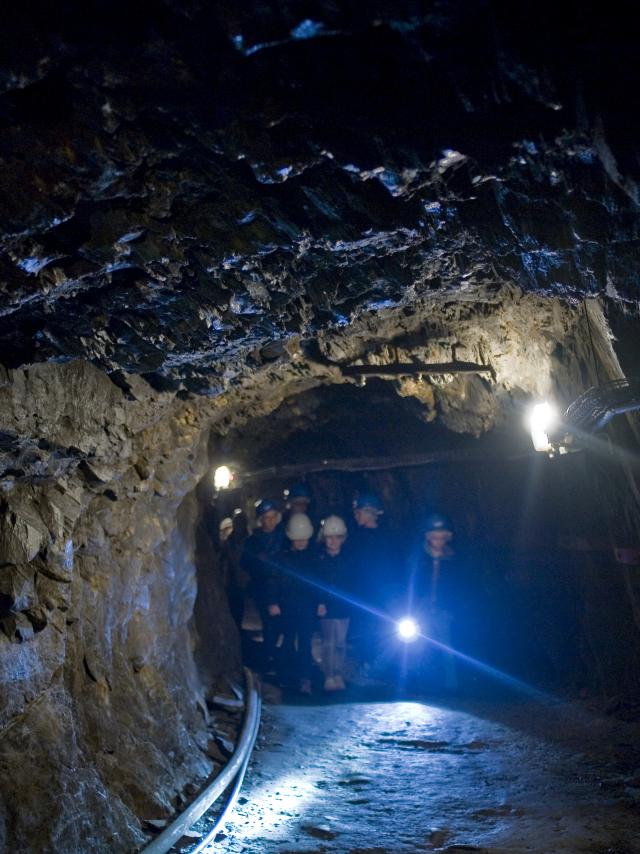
x=334, y=641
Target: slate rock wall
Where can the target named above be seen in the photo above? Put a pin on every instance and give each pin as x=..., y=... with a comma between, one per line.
x=100, y=703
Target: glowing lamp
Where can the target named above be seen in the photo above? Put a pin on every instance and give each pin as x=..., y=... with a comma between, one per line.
x=542, y=418
x=408, y=629
x=223, y=477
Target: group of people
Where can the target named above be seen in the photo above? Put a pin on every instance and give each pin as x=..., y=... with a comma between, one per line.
x=336, y=577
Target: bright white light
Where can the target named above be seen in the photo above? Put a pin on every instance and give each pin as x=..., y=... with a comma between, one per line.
x=408, y=629
x=222, y=477
x=542, y=417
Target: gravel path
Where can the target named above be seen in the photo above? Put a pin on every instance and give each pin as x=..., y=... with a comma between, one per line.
x=378, y=777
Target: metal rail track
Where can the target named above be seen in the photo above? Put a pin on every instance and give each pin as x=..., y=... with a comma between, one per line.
x=233, y=772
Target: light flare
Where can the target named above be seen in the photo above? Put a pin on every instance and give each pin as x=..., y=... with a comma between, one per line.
x=542, y=418
x=408, y=629
x=506, y=679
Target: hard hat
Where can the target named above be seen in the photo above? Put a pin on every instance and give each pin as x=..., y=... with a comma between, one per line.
x=298, y=490
x=368, y=501
x=435, y=522
x=265, y=505
x=333, y=526
x=299, y=527
x=226, y=523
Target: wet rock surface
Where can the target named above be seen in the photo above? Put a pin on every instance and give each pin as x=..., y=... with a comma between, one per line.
x=510, y=777
x=199, y=182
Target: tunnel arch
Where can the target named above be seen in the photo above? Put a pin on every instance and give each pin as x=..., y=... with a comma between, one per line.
x=475, y=463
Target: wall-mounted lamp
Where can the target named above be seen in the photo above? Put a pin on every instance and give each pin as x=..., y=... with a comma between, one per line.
x=543, y=417
x=223, y=477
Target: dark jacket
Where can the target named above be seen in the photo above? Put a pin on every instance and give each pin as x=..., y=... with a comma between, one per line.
x=231, y=552
x=376, y=563
x=259, y=559
x=295, y=589
x=438, y=584
x=336, y=573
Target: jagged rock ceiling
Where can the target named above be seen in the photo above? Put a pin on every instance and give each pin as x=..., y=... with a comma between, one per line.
x=186, y=185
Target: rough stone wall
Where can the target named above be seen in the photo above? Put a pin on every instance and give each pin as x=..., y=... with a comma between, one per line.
x=535, y=347
x=99, y=695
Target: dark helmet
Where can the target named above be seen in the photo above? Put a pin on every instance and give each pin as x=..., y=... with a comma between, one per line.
x=436, y=522
x=264, y=505
x=298, y=490
x=368, y=501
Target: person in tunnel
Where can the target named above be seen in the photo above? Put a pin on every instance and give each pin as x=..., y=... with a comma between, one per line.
x=369, y=542
x=233, y=534
x=259, y=558
x=335, y=570
x=438, y=598
x=297, y=499
x=294, y=601
x=374, y=560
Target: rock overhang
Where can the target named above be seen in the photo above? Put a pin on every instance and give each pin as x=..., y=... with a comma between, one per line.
x=193, y=186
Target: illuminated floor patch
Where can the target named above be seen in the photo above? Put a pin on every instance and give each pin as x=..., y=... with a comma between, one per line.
x=372, y=778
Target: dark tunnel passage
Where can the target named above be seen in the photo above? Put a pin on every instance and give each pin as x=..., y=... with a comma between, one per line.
x=383, y=254
x=544, y=558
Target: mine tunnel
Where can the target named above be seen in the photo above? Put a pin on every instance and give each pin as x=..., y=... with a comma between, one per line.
x=383, y=257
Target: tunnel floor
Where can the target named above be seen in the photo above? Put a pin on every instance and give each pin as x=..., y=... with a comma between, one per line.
x=396, y=776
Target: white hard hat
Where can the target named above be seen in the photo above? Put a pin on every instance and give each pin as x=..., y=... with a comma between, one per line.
x=299, y=527
x=226, y=523
x=333, y=526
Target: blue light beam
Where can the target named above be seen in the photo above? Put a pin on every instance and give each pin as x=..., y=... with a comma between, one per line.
x=488, y=669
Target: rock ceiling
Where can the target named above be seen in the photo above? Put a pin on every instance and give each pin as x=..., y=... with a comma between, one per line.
x=185, y=188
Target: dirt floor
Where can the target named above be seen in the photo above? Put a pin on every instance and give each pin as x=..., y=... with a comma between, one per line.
x=371, y=776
